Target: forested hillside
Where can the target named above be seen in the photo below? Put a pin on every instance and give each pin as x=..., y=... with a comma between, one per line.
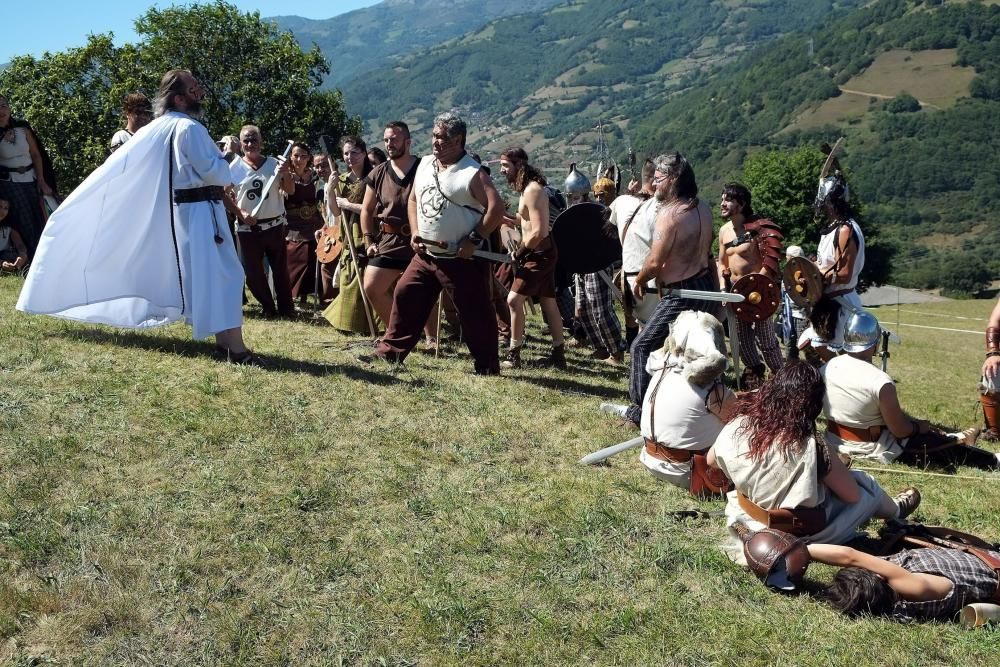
x=927, y=173
x=363, y=40
x=557, y=71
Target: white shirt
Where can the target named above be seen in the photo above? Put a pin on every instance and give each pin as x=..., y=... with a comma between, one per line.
x=250, y=184
x=442, y=201
x=826, y=251
x=637, y=243
x=852, y=390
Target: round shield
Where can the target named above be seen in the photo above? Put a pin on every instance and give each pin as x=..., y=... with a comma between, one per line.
x=328, y=247
x=761, y=297
x=803, y=282
x=585, y=240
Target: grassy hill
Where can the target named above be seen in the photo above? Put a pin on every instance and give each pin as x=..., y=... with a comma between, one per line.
x=159, y=507
x=365, y=39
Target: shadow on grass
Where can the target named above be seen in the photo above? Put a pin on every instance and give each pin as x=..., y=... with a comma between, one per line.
x=199, y=348
x=567, y=385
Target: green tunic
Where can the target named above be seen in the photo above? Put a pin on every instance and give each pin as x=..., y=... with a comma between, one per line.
x=347, y=311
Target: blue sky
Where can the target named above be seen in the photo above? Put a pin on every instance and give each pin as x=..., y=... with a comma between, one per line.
x=31, y=27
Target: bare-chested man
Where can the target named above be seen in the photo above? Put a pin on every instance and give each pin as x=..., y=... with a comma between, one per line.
x=680, y=258
x=741, y=252
x=535, y=273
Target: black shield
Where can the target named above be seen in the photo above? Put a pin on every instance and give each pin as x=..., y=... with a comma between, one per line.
x=586, y=241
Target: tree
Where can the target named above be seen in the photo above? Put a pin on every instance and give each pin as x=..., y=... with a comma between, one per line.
x=903, y=103
x=783, y=184
x=253, y=74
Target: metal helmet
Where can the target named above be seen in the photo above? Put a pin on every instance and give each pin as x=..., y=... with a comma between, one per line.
x=576, y=183
x=862, y=332
x=779, y=559
x=832, y=188
x=605, y=186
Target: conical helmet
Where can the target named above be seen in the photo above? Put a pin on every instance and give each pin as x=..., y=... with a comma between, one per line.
x=576, y=182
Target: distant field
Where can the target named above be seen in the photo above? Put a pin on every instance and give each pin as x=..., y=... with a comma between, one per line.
x=930, y=76
x=161, y=508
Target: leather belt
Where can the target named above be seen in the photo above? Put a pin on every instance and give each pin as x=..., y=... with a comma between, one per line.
x=19, y=170
x=206, y=193
x=262, y=225
x=302, y=211
x=389, y=228
x=800, y=521
x=855, y=433
x=668, y=454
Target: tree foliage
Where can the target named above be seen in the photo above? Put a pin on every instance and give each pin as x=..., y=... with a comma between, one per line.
x=253, y=74
x=783, y=184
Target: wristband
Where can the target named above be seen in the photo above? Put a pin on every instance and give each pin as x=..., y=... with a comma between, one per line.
x=992, y=339
x=916, y=428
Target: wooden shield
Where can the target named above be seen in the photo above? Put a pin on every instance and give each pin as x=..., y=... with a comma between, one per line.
x=329, y=247
x=761, y=296
x=801, y=269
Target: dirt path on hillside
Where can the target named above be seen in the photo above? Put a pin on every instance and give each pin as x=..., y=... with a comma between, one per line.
x=884, y=97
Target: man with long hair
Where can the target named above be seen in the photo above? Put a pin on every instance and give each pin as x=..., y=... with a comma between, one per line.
x=749, y=244
x=679, y=258
x=149, y=231
x=536, y=258
x=928, y=583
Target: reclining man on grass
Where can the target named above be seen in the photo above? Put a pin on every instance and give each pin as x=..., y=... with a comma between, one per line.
x=864, y=418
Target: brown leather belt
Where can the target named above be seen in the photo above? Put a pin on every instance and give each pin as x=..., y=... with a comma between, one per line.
x=389, y=228
x=800, y=521
x=668, y=454
x=855, y=433
x=206, y=193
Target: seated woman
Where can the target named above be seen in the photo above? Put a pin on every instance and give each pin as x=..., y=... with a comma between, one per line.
x=785, y=475
x=914, y=583
x=687, y=405
x=865, y=420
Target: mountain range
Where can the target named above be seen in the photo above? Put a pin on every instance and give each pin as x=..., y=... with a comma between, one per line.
x=913, y=85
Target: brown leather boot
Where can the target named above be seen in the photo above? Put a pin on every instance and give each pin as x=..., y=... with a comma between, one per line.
x=991, y=416
x=556, y=358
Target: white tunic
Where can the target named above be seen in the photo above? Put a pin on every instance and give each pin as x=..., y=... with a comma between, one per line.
x=637, y=241
x=683, y=420
x=852, y=390
x=249, y=184
x=446, y=209
x=788, y=481
x=17, y=153
x=118, y=252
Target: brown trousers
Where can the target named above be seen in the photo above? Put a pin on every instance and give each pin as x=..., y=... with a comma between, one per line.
x=269, y=243
x=417, y=292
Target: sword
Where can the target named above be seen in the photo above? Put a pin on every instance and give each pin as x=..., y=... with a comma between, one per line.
x=702, y=295
x=608, y=452
x=267, y=186
x=453, y=247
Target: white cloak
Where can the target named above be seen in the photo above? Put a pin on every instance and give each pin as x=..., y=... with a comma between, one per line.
x=118, y=252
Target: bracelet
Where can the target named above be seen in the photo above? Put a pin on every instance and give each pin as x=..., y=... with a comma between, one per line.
x=916, y=428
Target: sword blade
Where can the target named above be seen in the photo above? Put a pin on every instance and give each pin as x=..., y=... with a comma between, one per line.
x=705, y=295
x=493, y=256
x=608, y=452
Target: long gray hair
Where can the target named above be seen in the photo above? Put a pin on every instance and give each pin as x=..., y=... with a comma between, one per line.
x=171, y=84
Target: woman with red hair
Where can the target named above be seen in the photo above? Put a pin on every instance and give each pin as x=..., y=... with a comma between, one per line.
x=785, y=475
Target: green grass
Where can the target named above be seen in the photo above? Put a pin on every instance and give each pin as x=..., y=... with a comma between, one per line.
x=158, y=507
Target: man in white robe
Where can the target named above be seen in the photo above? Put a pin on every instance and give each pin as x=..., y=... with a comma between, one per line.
x=144, y=241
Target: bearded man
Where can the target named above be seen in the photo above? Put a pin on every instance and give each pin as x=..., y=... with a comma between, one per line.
x=148, y=231
x=456, y=207
x=534, y=272
x=680, y=258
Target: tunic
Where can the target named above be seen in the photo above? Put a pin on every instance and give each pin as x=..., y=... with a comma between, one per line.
x=347, y=311
x=118, y=252
x=789, y=481
x=852, y=389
